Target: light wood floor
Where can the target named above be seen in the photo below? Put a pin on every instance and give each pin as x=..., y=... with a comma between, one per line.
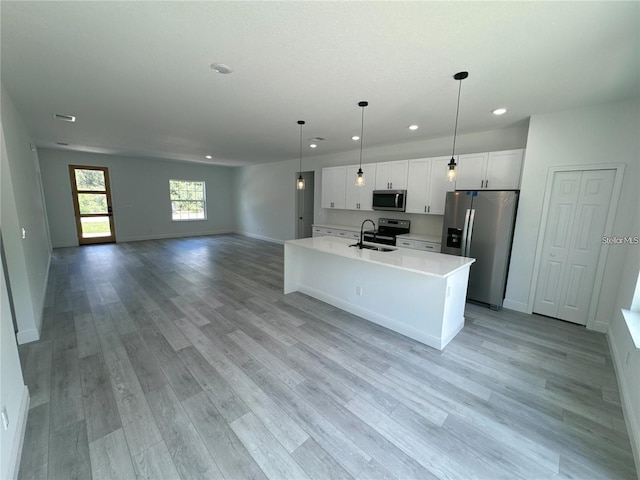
x=183, y=359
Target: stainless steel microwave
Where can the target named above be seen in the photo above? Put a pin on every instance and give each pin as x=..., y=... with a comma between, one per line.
x=390, y=200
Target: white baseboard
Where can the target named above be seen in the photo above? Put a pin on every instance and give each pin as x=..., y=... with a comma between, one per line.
x=382, y=320
x=261, y=237
x=18, y=441
x=517, y=306
x=65, y=244
x=633, y=428
x=601, y=327
x=27, y=336
x=162, y=236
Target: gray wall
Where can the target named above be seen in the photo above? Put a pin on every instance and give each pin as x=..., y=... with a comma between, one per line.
x=27, y=264
x=140, y=193
x=602, y=134
x=265, y=194
x=22, y=207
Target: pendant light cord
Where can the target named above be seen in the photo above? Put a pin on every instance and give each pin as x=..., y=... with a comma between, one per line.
x=361, y=135
x=301, y=127
x=455, y=129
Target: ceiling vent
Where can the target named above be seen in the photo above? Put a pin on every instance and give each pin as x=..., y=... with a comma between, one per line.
x=64, y=118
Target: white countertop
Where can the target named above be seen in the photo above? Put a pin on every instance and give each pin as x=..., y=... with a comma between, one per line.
x=425, y=263
x=421, y=238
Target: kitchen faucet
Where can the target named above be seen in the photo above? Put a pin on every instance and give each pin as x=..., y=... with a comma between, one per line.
x=361, y=231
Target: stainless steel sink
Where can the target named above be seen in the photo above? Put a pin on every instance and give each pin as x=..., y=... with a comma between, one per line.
x=375, y=247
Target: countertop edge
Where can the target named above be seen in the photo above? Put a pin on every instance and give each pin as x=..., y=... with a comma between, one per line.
x=303, y=243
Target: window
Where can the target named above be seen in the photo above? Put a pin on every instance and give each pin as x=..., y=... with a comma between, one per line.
x=188, y=200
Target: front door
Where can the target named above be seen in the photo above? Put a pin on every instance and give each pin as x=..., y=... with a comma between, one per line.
x=92, y=204
x=572, y=243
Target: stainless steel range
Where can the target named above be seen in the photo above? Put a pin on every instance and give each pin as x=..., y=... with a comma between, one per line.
x=388, y=229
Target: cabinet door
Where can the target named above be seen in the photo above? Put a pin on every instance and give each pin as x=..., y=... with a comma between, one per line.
x=439, y=185
x=418, y=185
x=399, y=175
x=471, y=171
x=383, y=174
x=503, y=170
x=333, y=187
x=360, y=198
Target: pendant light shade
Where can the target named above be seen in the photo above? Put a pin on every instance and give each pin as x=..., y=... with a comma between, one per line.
x=360, y=175
x=451, y=174
x=300, y=181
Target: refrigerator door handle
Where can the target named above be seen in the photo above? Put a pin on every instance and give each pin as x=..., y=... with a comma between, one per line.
x=472, y=217
x=463, y=247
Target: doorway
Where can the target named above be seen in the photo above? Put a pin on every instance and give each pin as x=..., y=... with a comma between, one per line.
x=92, y=204
x=578, y=208
x=304, y=206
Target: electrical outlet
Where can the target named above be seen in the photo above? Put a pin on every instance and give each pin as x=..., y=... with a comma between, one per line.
x=5, y=418
x=358, y=291
x=24, y=233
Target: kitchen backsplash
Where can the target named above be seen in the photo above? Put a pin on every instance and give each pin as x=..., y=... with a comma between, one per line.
x=420, y=224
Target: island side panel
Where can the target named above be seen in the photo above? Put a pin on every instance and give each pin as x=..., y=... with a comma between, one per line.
x=456, y=297
x=291, y=267
x=406, y=302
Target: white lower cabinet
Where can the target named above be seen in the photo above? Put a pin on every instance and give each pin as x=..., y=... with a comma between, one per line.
x=418, y=245
x=318, y=231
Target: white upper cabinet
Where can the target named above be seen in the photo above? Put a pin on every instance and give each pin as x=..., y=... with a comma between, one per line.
x=392, y=175
x=333, y=187
x=504, y=170
x=439, y=185
x=490, y=171
x=359, y=198
x=471, y=172
x=427, y=185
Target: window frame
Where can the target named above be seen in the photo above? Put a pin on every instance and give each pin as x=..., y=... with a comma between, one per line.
x=187, y=184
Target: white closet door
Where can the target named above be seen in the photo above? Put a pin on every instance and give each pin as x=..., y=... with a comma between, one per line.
x=572, y=243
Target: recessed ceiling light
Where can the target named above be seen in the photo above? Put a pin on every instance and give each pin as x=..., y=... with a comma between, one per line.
x=313, y=145
x=413, y=127
x=208, y=157
x=499, y=111
x=355, y=138
x=222, y=68
x=64, y=118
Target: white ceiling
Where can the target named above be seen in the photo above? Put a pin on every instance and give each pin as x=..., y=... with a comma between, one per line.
x=137, y=74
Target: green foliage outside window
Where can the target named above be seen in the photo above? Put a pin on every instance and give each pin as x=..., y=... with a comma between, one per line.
x=188, y=200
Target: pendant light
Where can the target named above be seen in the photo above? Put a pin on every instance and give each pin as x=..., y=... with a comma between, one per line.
x=300, y=182
x=360, y=174
x=451, y=174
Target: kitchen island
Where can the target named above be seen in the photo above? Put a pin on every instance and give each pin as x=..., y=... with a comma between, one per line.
x=415, y=293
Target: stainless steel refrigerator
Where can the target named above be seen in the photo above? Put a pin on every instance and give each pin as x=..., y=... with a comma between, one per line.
x=479, y=224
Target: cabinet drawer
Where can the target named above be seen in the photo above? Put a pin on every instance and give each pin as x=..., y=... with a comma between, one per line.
x=419, y=245
x=428, y=246
x=406, y=243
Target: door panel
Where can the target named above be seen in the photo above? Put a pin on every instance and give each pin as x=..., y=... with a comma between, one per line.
x=573, y=239
x=564, y=196
x=586, y=242
x=92, y=203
